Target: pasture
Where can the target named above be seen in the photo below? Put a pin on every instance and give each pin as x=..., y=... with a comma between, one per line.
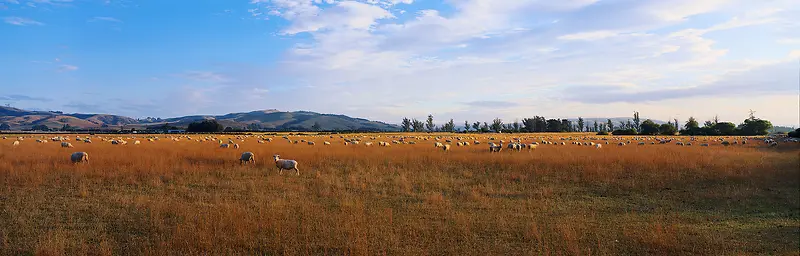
x=166, y=197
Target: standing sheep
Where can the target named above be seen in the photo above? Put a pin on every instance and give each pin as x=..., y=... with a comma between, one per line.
x=16, y=143
x=79, y=157
x=235, y=145
x=285, y=164
x=446, y=147
x=66, y=144
x=247, y=157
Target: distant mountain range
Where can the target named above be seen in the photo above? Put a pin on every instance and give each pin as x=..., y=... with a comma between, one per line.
x=19, y=119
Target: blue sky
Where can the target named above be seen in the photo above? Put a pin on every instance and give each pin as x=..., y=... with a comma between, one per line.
x=388, y=59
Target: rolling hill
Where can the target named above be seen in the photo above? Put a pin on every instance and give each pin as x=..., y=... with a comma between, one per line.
x=19, y=119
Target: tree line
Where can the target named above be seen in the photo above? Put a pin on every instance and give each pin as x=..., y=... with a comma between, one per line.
x=635, y=126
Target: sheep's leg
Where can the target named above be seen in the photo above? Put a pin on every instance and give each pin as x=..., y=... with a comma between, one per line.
x=298, y=171
x=281, y=171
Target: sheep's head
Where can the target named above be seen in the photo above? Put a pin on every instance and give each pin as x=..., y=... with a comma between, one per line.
x=277, y=157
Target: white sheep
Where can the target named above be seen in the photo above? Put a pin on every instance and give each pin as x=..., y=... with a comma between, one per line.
x=598, y=145
x=326, y=143
x=495, y=147
x=438, y=144
x=16, y=143
x=65, y=144
x=285, y=164
x=235, y=145
x=247, y=157
x=79, y=157
x=137, y=142
x=446, y=147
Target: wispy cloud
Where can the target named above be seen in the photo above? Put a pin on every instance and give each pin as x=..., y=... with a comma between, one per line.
x=106, y=19
x=67, y=68
x=205, y=76
x=17, y=97
x=19, y=21
x=492, y=104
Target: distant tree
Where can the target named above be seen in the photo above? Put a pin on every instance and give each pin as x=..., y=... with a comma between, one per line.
x=429, y=123
x=485, y=127
x=691, y=127
x=754, y=126
x=40, y=127
x=667, y=129
x=497, y=125
x=629, y=131
x=553, y=125
x=648, y=127
x=580, y=124
x=417, y=125
x=316, y=126
x=516, y=126
x=610, y=125
x=228, y=129
x=406, y=124
x=637, y=123
x=208, y=125
x=716, y=119
x=795, y=133
x=5, y=127
x=466, y=126
x=450, y=126
x=725, y=128
x=596, y=126
x=566, y=125
x=477, y=126
x=528, y=124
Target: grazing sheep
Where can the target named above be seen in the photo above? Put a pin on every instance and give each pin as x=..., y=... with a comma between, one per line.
x=137, y=142
x=285, y=164
x=532, y=146
x=326, y=143
x=621, y=144
x=438, y=144
x=679, y=143
x=247, y=157
x=773, y=144
x=495, y=147
x=641, y=143
x=726, y=143
x=16, y=143
x=365, y=143
x=704, y=145
x=225, y=145
x=79, y=157
x=66, y=145
x=311, y=143
x=446, y=147
x=235, y=145
x=598, y=145
x=87, y=141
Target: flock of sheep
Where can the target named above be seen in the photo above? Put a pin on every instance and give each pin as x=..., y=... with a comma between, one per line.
x=442, y=142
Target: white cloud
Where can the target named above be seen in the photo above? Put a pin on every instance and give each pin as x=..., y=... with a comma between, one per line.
x=19, y=21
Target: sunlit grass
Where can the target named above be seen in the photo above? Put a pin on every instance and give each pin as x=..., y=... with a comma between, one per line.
x=190, y=197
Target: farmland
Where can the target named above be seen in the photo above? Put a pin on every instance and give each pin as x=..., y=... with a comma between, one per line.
x=166, y=197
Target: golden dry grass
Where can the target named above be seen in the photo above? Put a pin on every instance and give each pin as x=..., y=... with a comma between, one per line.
x=188, y=197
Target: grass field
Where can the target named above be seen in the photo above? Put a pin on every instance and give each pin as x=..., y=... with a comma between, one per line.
x=186, y=197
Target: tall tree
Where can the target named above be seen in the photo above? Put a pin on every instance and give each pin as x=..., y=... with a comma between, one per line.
x=429, y=123
x=497, y=125
x=418, y=125
x=637, y=123
x=648, y=127
x=516, y=125
x=580, y=124
x=528, y=124
x=466, y=126
x=477, y=126
x=596, y=126
x=451, y=126
x=610, y=125
x=485, y=127
x=406, y=124
x=553, y=125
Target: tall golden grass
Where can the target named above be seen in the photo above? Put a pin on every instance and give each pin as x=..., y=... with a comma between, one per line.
x=189, y=197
